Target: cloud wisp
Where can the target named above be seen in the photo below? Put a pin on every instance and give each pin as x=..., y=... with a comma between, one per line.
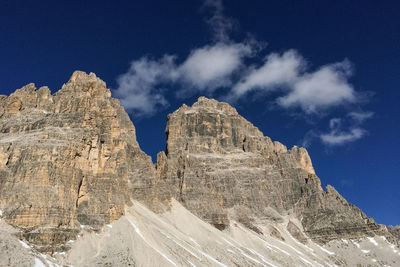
x=339, y=135
x=336, y=136
x=218, y=22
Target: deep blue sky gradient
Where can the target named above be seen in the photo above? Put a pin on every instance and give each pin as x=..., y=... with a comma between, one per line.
x=45, y=41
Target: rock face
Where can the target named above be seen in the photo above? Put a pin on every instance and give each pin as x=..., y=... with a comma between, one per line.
x=220, y=167
x=71, y=160
x=395, y=231
x=67, y=160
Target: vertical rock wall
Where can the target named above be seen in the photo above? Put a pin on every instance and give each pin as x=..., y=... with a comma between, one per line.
x=220, y=166
x=68, y=159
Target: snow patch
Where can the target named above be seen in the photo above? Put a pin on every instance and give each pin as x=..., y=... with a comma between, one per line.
x=137, y=230
x=326, y=251
x=188, y=250
x=182, y=246
x=374, y=260
x=49, y=263
x=248, y=256
x=270, y=246
x=306, y=261
x=229, y=243
x=297, y=242
x=242, y=252
x=1, y=213
x=319, y=264
x=25, y=245
x=365, y=251
x=345, y=241
x=356, y=244
x=262, y=257
x=39, y=263
x=281, y=250
x=194, y=241
x=109, y=225
x=213, y=259
x=373, y=241
x=52, y=264
x=192, y=264
x=298, y=252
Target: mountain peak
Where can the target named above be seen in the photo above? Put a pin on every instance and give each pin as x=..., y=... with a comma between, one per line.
x=211, y=105
x=82, y=77
x=83, y=84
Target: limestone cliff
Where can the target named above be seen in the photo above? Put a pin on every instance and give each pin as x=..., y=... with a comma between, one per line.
x=68, y=160
x=220, y=166
x=71, y=160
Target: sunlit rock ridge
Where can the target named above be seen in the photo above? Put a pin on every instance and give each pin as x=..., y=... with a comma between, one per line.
x=72, y=175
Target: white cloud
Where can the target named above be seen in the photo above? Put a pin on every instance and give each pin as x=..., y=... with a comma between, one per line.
x=337, y=136
x=340, y=137
x=327, y=87
x=360, y=117
x=277, y=71
x=322, y=89
x=204, y=70
x=137, y=88
x=210, y=67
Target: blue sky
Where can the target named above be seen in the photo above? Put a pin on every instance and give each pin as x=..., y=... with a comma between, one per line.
x=323, y=74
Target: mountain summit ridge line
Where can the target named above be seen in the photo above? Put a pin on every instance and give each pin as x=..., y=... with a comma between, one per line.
x=71, y=160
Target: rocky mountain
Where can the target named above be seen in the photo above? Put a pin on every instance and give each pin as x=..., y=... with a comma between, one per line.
x=68, y=160
x=220, y=166
x=75, y=185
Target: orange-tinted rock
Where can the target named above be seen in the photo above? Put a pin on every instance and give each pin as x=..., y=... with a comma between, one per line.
x=68, y=159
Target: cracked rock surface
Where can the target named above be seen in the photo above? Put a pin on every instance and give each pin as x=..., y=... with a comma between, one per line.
x=222, y=167
x=70, y=162
x=67, y=160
